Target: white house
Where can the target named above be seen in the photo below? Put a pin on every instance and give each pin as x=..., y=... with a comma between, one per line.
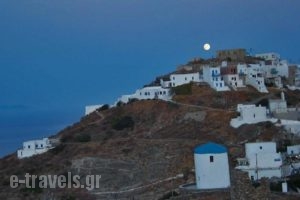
x=278, y=105
x=255, y=78
x=180, y=79
x=269, y=56
x=261, y=160
x=250, y=114
x=151, y=92
x=211, y=166
x=212, y=76
x=292, y=150
x=91, y=108
x=34, y=147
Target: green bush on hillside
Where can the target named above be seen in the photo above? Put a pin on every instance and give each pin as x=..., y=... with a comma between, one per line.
x=104, y=107
x=185, y=89
x=122, y=123
x=83, y=137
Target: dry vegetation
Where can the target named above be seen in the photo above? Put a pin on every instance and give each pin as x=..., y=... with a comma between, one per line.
x=159, y=144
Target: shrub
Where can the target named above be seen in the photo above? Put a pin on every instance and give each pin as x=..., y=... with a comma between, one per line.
x=104, y=107
x=185, y=89
x=122, y=123
x=83, y=137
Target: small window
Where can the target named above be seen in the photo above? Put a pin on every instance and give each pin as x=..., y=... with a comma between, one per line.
x=185, y=78
x=28, y=146
x=260, y=147
x=164, y=92
x=211, y=158
x=36, y=146
x=173, y=78
x=42, y=145
x=146, y=93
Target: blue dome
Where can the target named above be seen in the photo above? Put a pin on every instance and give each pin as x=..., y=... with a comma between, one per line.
x=210, y=148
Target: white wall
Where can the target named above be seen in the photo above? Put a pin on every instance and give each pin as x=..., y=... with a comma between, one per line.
x=212, y=76
x=214, y=174
x=253, y=114
x=277, y=106
x=242, y=69
x=269, y=56
x=180, y=79
x=295, y=149
x=34, y=147
x=91, y=108
x=233, y=80
x=151, y=92
x=255, y=78
x=264, y=173
x=260, y=147
x=265, y=160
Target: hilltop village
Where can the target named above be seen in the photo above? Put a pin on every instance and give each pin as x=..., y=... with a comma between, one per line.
x=216, y=163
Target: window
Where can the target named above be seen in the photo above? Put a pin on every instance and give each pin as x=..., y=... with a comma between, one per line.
x=192, y=78
x=260, y=147
x=164, y=92
x=160, y=92
x=173, y=78
x=36, y=146
x=28, y=146
x=145, y=93
x=185, y=78
x=211, y=158
x=42, y=145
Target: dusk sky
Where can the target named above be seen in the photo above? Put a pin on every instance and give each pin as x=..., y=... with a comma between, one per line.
x=57, y=56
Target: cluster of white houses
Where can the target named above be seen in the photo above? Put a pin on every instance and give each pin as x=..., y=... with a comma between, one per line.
x=269, y=69
x=262, y=160
x=276, y=112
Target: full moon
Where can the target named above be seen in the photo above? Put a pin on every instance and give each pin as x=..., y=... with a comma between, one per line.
x=206, y=46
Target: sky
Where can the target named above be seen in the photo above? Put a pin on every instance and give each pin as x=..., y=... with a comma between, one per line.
x=56, y=56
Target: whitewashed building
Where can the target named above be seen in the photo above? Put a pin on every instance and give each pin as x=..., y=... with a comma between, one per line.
x=292, y=150
x=181, y=79
x=261, y=160
x=230, y=76
x=91, y=108
x=151, y=92
x=278, y=105
x=255, y=78
x=211, y=166
x=212, y=75
x=250, y=114
x=269, y=56
x=34, y=147
x=274, y=68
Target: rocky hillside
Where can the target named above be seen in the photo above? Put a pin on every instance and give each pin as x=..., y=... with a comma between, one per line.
x=144, y=149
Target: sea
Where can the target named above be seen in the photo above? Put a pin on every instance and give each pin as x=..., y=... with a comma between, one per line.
x=19, y=125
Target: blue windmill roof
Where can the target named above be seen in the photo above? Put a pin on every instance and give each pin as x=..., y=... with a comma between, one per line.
x=210, y=147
